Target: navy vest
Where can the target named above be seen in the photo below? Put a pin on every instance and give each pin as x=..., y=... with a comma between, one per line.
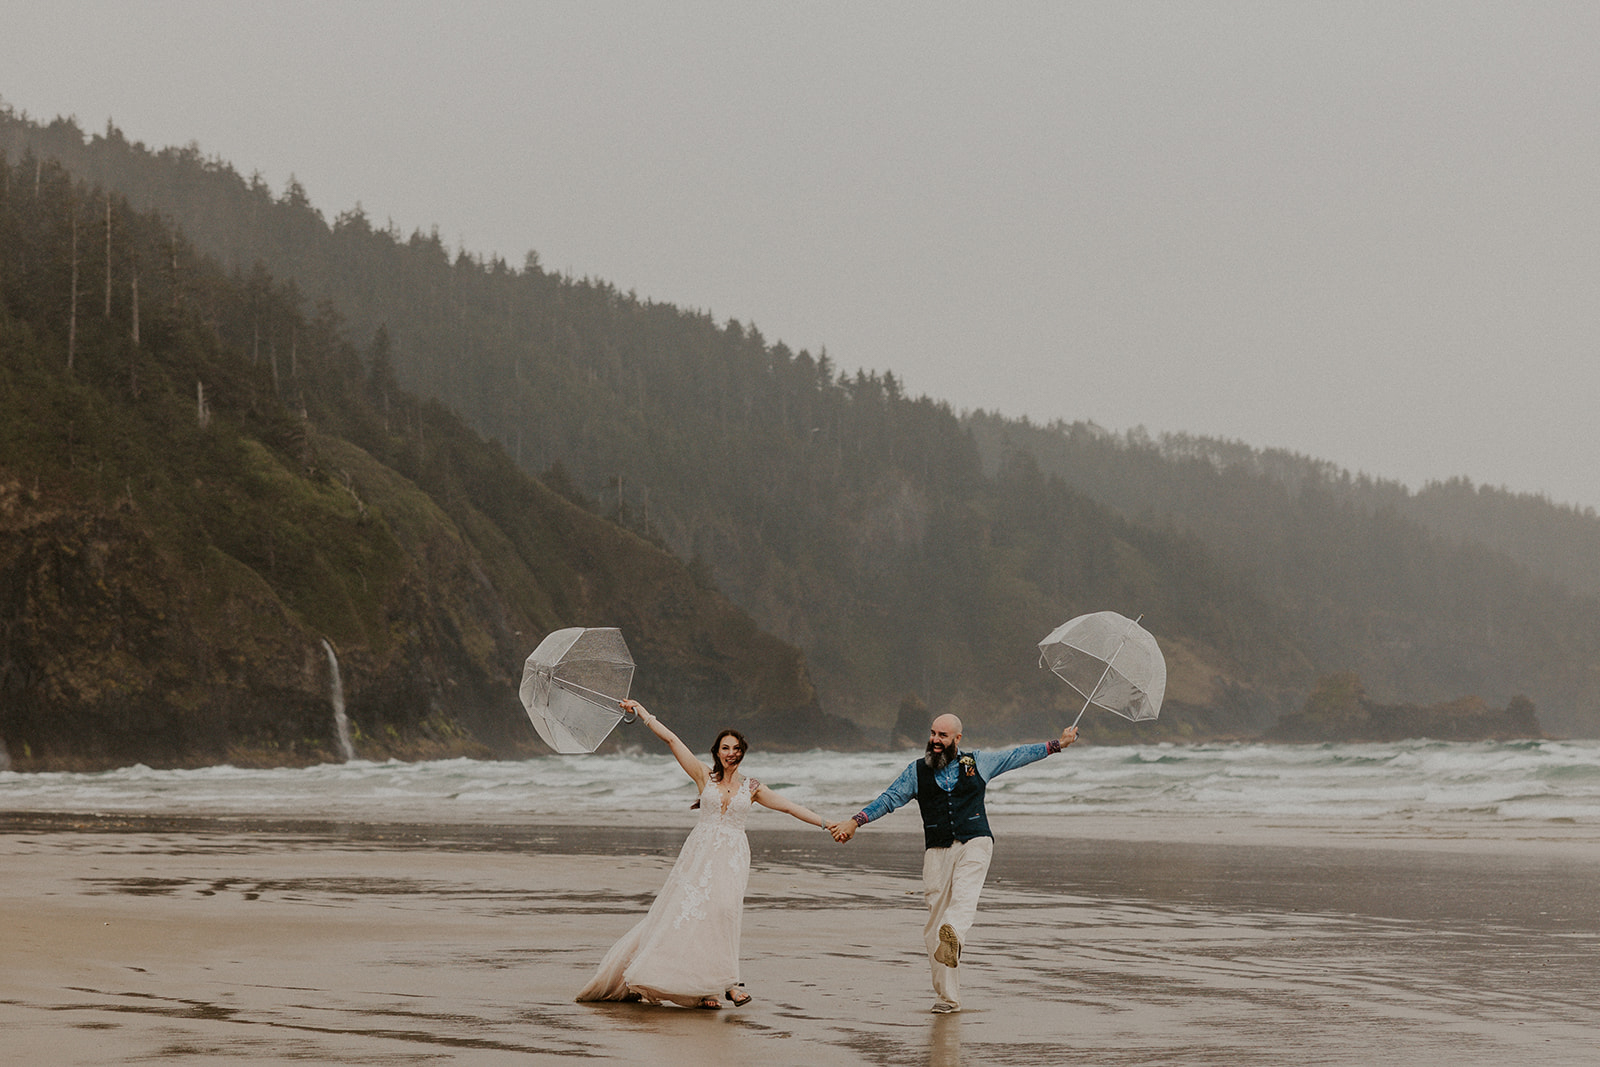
x=954, y=816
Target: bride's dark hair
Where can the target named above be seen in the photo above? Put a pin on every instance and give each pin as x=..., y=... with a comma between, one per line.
x=717, y=769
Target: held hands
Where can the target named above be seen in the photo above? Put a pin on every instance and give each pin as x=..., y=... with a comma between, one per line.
x=843, y=830
x=1069, y=735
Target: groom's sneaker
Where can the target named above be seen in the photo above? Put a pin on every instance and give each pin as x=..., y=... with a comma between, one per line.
x=941, y=1008
x=949, y=950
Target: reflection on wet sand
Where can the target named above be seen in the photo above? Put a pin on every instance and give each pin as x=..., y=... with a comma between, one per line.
x=944, y=1041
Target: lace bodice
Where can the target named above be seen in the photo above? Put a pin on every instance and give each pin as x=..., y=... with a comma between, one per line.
x=739, y=804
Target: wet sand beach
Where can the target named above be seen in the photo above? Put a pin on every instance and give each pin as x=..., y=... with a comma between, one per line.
x=1112, y=941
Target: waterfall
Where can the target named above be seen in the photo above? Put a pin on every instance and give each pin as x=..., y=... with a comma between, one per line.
x=336, y=696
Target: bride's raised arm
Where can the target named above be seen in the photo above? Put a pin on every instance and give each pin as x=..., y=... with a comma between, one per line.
x=687, y=760
x=772, y=799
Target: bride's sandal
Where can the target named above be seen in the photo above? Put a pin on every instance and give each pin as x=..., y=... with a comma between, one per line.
x=710, y=1003
x=739, y=997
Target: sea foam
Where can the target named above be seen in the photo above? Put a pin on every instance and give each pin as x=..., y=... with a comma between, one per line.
x=1519, y=780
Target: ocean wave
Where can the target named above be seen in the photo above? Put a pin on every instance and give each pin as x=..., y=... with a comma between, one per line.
x=1554, y=780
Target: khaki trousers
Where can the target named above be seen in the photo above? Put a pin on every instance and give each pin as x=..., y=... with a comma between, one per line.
x=952, y=878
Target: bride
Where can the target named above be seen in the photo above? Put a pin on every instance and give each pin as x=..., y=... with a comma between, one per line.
x=686, y=948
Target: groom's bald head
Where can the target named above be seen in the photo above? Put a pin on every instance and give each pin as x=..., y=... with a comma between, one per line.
x=944, y=740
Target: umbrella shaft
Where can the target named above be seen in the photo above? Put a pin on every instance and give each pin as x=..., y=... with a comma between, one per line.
x=1090, y=698
x=597, y=699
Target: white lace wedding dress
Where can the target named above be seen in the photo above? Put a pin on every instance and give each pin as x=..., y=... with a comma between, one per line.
x=687, y=946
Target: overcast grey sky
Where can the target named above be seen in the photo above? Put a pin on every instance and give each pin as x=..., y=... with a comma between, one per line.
x=1365, y=232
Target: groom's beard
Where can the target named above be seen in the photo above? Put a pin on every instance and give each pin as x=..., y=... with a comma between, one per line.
x=937, y=757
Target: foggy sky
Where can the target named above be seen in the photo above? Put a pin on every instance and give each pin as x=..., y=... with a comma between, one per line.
x=1364, y=232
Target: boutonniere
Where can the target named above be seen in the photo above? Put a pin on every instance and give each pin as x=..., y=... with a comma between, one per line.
x=969, y=766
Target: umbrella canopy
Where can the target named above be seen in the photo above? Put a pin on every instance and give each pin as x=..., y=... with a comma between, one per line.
x=572, y=686
x=1109, y=660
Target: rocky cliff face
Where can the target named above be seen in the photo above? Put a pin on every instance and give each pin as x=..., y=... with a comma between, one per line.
x=118, y=650
x=121, y=644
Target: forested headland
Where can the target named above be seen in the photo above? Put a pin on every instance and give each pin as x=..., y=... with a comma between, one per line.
x=911, y=553
x=190, y=520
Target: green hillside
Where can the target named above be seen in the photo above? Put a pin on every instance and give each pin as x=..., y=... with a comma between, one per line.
x=188, y=511
x=912, y=554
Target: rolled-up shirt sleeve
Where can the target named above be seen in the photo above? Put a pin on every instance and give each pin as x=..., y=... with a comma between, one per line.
x=993, y=763
x=900, y=791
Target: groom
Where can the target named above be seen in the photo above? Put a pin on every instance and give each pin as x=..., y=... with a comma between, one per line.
x=948, y=785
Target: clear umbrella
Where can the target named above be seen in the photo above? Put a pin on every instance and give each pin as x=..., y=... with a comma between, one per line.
x=1109, y=660
x=573, y=685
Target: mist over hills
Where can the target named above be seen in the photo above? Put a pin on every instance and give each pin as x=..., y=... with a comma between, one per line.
x=913, y=554
x=1481, y=589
